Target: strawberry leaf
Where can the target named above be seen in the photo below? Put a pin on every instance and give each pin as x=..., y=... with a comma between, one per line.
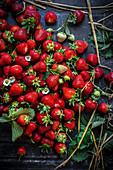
x=97, y=121
x=16, y=131
x=81, y=155
x=5, y=118
x=46, y=75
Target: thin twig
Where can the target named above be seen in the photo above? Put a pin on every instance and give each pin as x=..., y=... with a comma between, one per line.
x=79, y=113
x=102, y=26
x=105, y=18
x=33, y=3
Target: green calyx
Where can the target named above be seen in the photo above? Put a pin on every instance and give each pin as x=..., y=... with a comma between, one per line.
x=6, y=97
x=62, y=150
x=42, y=108
x=73, y=46
x=61, y=138
x=28, y=23
x=26, y=118
x=50, y=46
x=47, y=120
x=72, y=18
x=10, y=36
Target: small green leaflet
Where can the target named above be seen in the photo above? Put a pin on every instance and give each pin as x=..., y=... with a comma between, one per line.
x=67, y=31
x=105, y=42
x=97, y=121
x=16, y=131
x=46, y=75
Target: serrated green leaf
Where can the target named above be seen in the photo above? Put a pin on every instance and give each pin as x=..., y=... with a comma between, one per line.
x=83, y=120
x=46, y=75
x=16, y=131
x=97, y=121
x=5, y=118
x=80, y=155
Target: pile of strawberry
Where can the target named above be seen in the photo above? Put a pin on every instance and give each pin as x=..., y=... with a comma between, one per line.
x=39, y=74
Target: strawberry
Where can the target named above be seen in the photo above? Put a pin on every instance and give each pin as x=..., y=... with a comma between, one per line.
x=70, y=125
x=103, y=108
x=1, y=71
x=20, y=35
x=34, y=55
x=28, y=80
x=59, y=103
x=36, y=137
x=3, y=14
x=50, y=134
x=80, y=15
x=40, y=67
x=47, y=143
x=76, y=107
x=16, y=71
x=20, y=99
x=42, y=118
x=30, y=128
x=90, y=105
x=49, y=36
x=40, y=35
x=68, y=93
x=14, y=28
x=56, y=114
x=55, y=95
x=5, y=59
x=69, y=54
x=92, y=59
x=7, y=98
x=52, y=81
x=15, y=90
x=81, y=46
x=43, y=129
x=50, y=17
x=23, y=120
x=21, y=151
x=78, y=82
x=8, y=3
x=61, y=37
x=109, y=77
x=68, y=114
x=60, y=148
x=48, y=45
x=58, y=57
x=48, y=100
x=16, y=8
x=98, y=72
x=6, y=70
x=31, y=97
x=81, y=64
x=61, y=137
x=43, y=57
x=1, y=82
x=89, y=87
x=20, y=19
x=31, y=44
x=57, y=46
x=55, y=124
x=85, y=75
x=22, y=48
x=4, y=25
x=20, y=60
x=1, y=35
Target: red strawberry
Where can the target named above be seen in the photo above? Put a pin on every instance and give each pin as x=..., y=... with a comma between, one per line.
x=61, y=137
x=21, y=150
x=20, y=99
x=50, y=134
x=6, y=70
x=67, y=73
x=57, y=46
x=34, y=55
x=92, y=59
x=1, y=71
x=76, y=107
x=31, y=97
x=48, y=100
x=59, y=103
x=3, y=14
x=85, y=75
x=109, y=77
x=50, y=17
x=81, y=46
x=20, y=35
x=48, y=45
x=52, y=81
x=22, y=48
x=20, y=60
x=89, y=87
x=7, y=98
x=68, y=93
x=80, y=15
x=60, y=148
x=31, y=44
x=81, y=64
x=1, y=82
x=42, y=118
x=20, y=19
x=69, y=54
x=78, y=82
x=43, y=129
x=99, y=73
x=30, y=128
x=5, y=59
x=14, y=28
x=70, y=125
x=28, y=80
x=47, y=143
x=43, y=56
x=16, y=8
x=16, y=71
x=56, y=114
x=58, y=57
x=40, y=67
x=103, y=108
x=55, y=95
x=23, y=120
x=55, y=124
x=40, y=35
x=4, y=25
x=36, y=137
x=68, y=114
x=90, y=105
x=15, y=90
